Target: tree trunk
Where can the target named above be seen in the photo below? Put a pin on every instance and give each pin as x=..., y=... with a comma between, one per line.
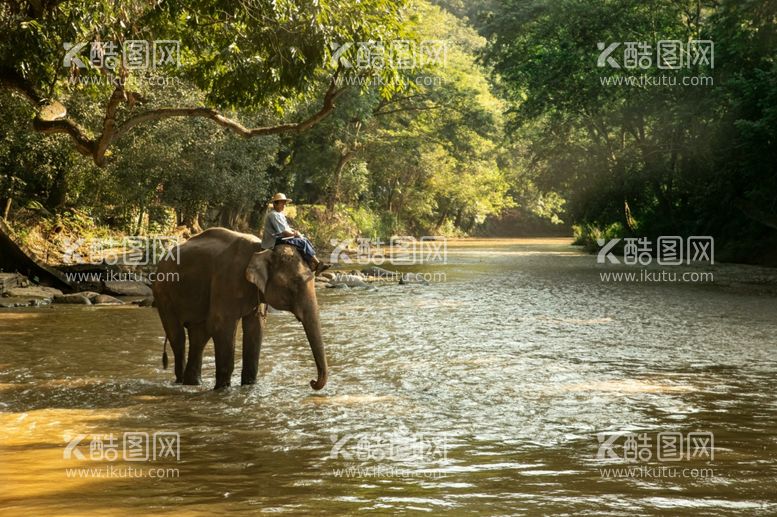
x=334, y=193
x=190, y=218
x=15, y=257
x=58, y=193
x=443, y=216
x=139, y=225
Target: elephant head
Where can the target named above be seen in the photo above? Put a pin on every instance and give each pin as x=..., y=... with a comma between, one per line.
x=285, y=281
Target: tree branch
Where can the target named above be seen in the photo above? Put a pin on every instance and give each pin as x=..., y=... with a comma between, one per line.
x=237, y=127
x=111, y=131
x=12, y=80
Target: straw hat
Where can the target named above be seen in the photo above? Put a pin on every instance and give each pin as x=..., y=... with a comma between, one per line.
x=280, y=197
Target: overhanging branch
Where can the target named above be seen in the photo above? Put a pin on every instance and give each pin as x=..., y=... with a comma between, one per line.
x=164, y=113
x=12, y=80
x=112, y=130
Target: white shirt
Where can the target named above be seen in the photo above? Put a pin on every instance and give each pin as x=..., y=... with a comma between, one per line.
x=274, y=226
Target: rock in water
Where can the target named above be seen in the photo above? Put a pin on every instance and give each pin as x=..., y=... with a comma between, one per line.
x=75, y=298
x=348, y=280
x=145, y=302
x=35, y=292
x=380, y=272
x=127, y=289
x=104, y=299
x=8, y=302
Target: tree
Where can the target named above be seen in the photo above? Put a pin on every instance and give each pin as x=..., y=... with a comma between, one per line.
x=645, y=160
x=242, y=53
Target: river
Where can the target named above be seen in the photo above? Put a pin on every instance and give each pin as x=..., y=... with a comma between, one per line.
x=518, y=384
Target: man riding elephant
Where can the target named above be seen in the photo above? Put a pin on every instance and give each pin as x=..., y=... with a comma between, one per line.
x=277, y=231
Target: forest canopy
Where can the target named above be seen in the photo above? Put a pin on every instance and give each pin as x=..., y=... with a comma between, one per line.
x=382, y=117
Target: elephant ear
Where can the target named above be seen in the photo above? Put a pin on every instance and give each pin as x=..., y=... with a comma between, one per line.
x=258, y=270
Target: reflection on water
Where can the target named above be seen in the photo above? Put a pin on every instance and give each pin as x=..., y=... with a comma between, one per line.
x=517, y=361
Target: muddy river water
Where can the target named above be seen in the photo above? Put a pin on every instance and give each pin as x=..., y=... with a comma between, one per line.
x=521, y=383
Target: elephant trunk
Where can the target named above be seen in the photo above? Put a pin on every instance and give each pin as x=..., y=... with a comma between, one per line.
x=312, y=325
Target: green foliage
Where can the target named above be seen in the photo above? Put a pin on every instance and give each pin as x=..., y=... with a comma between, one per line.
x=241, y=53
x=660, y=160
x=428, y=160
x=408, y=150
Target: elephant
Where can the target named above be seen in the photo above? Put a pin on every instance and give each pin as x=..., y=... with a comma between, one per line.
x=218, y=278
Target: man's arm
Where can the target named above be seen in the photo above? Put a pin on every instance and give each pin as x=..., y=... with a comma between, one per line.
x=282, y=228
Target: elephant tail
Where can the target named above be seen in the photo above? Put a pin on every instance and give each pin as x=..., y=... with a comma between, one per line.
x=164, y=354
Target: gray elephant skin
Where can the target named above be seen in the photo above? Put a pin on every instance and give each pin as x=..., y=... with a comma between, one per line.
x=224, y=278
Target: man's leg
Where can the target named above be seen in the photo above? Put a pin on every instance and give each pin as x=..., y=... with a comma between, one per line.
x=308, y=253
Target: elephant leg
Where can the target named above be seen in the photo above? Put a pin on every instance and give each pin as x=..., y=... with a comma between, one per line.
x=224, y=341
x=176, y=334
x=198, y=338
x=253, y=330
x=178, y=345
